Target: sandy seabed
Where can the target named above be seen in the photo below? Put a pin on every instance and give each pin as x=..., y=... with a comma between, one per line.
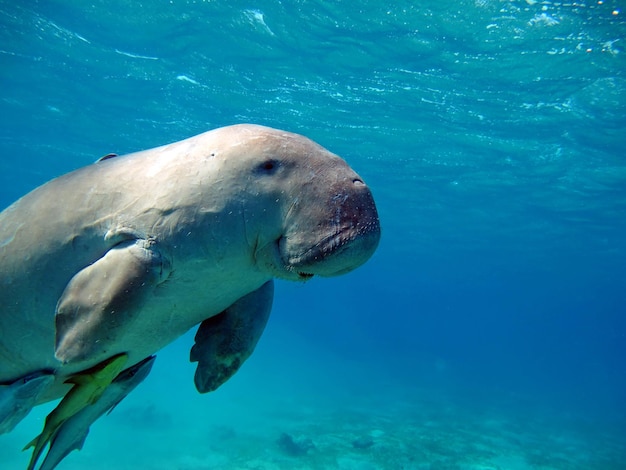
x=306, y=415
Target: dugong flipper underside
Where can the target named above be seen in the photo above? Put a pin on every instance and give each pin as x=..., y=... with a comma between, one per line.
x=225, y=341
x=73, y=432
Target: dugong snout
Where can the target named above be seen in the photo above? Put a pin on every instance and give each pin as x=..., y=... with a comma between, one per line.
x=348, y=238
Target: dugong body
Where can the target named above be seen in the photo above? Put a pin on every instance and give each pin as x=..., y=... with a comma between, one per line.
x=123, y=256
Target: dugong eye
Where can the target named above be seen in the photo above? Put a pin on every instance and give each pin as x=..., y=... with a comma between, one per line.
x=268, y=167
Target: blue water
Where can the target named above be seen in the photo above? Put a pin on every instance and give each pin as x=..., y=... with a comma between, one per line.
x=489, y=329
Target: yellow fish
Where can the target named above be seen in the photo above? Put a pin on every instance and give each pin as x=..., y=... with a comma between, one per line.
x=87, y=389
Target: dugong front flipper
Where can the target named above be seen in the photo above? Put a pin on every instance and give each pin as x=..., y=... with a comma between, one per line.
x=225, y=341
x=99, y=300
x=73, y=432
x=17, y=398
x=87, y=389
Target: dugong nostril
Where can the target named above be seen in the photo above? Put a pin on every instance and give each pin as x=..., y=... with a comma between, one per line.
x=358, y=182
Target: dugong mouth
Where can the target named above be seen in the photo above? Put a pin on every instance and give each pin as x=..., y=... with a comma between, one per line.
x=335, y=254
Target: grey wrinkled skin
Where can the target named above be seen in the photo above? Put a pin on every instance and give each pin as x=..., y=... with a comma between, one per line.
x=127, y=254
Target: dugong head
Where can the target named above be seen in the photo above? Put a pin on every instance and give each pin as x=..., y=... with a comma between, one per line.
x=306, y=212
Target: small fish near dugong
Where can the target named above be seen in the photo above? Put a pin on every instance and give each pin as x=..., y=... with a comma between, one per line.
x=102, y=267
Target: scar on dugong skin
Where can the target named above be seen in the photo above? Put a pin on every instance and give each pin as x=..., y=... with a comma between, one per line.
x=129, y=253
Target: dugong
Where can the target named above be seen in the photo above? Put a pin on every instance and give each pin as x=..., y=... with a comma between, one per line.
x=109, y=263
